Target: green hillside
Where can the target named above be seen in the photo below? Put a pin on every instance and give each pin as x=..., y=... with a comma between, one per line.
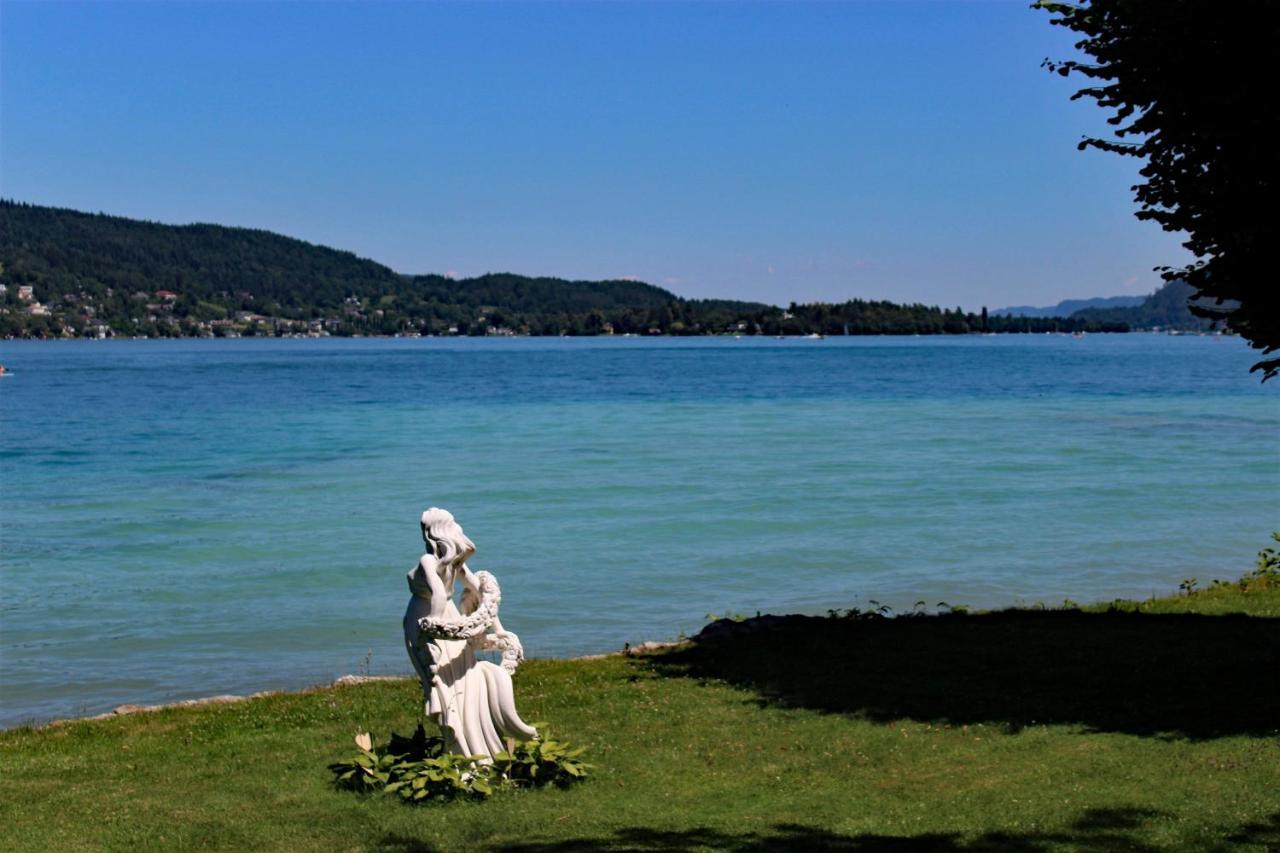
x=65, y=251
x=1167, y=308
x=68, y=273
x=118, y=265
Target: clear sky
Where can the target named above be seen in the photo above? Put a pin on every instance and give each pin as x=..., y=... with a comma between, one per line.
x=782, y=151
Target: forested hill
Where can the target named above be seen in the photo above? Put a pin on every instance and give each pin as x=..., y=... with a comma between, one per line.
x=1067, y=307
x=66, y=272
x=65, y=252
x=1167, y=308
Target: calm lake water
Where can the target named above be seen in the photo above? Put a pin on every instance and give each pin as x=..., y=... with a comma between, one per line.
x=186, y=518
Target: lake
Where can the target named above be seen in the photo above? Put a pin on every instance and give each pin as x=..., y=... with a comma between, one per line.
x=186, y=518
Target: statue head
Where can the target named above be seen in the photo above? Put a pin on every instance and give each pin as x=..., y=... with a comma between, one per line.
x=444, y=537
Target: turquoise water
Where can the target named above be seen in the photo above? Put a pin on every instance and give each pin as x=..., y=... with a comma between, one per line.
x=186, y=518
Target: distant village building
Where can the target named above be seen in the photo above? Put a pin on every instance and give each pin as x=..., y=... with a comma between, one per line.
x=35, y=309
x=26, y=293
x=166, y=295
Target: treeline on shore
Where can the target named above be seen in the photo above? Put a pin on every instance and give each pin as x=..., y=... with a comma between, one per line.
x=67, y=273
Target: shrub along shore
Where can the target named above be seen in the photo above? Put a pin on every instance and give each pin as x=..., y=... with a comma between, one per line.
x=1144, y=725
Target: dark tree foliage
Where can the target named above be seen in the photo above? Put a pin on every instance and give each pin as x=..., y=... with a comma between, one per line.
x=1191, y=87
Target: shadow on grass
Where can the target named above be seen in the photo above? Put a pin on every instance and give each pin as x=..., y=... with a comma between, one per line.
x=1181, y=675
x=1096, y=830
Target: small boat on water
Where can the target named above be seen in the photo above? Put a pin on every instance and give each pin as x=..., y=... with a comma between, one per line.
x=814, y=336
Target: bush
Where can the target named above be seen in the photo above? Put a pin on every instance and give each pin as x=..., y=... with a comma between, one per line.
x=418, y=769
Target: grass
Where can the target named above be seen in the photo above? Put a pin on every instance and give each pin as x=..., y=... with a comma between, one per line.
x=1148, y=726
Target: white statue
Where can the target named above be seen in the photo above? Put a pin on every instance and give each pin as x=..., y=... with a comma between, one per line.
x=472, y=700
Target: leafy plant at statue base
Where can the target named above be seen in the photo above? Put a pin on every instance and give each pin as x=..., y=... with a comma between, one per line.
x=418, y=769
x=540, y=762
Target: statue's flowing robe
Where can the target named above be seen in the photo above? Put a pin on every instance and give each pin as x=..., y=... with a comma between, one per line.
x=472, y=699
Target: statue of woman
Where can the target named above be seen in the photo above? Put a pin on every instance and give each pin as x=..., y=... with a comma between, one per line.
x=472, y=700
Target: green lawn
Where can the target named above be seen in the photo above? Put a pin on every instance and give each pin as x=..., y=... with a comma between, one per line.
x=1093, y=729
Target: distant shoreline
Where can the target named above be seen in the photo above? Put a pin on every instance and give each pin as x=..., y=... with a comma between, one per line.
x=68, y=273
x=744, y=336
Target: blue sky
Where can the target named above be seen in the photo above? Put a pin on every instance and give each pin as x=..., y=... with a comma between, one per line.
x=781, y=151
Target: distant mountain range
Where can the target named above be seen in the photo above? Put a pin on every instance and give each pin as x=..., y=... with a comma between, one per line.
x=65, y=273
x=1067, y=307
x=1168, y=308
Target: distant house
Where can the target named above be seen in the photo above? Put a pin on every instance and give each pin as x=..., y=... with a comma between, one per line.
x=166, y=295
x=35, y=309
x=26, y=293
